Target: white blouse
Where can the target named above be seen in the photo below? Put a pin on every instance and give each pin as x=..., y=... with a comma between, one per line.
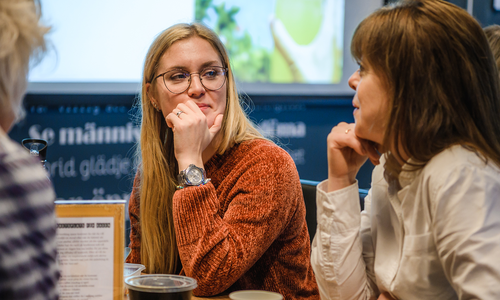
x=436, y=238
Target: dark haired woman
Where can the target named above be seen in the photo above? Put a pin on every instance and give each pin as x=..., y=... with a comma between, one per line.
x=427, y=100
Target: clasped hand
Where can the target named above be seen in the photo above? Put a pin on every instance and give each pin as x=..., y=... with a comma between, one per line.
x=346, y=154
x=191, y=133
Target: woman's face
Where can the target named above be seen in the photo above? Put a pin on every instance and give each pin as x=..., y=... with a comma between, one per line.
x=371, y=104
x=191, y=55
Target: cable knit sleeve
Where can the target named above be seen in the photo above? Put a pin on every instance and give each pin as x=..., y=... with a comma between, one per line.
x=221, y=233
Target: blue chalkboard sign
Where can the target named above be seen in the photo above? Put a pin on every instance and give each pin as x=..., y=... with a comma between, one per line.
x=91, y=147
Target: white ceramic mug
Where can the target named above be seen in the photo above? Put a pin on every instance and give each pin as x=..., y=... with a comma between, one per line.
x=253, y=294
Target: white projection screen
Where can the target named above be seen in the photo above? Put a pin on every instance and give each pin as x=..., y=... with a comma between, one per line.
x=276, y=47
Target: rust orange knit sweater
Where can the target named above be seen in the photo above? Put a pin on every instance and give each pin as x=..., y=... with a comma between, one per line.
x=245, y=229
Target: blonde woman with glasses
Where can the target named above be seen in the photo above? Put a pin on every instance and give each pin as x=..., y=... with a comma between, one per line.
x=212, y=198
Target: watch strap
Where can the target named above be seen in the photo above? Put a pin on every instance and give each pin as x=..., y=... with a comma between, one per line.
x=180, y=187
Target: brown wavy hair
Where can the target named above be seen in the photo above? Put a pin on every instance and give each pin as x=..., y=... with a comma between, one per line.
x=158, y=167
x=441, y=78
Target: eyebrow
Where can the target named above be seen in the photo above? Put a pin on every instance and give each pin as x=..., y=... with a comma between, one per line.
x=204, y=65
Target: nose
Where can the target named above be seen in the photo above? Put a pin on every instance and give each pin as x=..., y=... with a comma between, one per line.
x=354, y=80
x=196, y=89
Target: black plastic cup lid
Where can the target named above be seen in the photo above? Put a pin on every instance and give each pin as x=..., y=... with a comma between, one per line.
x=161, y=283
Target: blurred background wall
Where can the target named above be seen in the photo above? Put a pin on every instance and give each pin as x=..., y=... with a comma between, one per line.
x=90, y=126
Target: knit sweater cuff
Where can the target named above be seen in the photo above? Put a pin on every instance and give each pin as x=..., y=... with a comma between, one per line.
x=194, y=211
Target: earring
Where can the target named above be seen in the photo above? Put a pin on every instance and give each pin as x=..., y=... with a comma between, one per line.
x=155, y=106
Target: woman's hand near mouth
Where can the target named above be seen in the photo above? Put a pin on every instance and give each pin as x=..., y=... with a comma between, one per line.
x=346, y=154
x=191, y=133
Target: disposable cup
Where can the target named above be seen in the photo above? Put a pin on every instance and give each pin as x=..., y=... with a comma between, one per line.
x=160, y=287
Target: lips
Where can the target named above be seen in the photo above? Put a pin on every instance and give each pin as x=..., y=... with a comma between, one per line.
x=202, y=105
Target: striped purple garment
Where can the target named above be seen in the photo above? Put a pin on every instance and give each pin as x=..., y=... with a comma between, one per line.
x=28, y=267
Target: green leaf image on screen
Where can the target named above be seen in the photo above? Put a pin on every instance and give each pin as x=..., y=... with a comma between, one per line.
x=281, y=41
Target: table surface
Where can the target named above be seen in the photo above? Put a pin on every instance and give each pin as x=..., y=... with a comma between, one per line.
x=221, y=297
x=214, y=297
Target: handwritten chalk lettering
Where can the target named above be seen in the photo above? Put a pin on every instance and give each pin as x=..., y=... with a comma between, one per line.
x=89, y=134
x=92, y=135
x=62, y=168
x=275, y=128
x=100, y=166
x=35, y=131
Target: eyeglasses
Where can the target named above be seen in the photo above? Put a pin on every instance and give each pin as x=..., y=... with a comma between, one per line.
x=178, y=81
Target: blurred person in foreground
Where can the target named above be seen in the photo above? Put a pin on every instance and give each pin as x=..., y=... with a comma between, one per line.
x=28, y=268
x=212, y=198
x=426, y=113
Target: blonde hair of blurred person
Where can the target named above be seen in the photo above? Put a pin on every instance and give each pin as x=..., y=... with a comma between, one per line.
x=158, y=166
x=21, y=38
x=28, y=247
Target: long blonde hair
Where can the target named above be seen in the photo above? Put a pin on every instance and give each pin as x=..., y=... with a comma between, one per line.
x=158, y=167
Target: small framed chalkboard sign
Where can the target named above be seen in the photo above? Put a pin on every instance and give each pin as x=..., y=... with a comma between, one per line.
x=90, y=243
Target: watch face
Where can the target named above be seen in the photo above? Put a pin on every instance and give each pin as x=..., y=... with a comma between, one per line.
x=194, y=176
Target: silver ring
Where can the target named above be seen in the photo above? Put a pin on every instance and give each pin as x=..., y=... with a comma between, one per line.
x=179, y=113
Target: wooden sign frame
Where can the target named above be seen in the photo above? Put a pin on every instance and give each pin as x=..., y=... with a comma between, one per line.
x=96, y=209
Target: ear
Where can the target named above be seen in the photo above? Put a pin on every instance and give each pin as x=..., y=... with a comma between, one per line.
x=151, y=98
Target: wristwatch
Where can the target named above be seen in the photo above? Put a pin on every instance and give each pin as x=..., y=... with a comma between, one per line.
x=192, y=176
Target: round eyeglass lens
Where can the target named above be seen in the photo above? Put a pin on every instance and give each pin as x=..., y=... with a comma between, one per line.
x=177, y=81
